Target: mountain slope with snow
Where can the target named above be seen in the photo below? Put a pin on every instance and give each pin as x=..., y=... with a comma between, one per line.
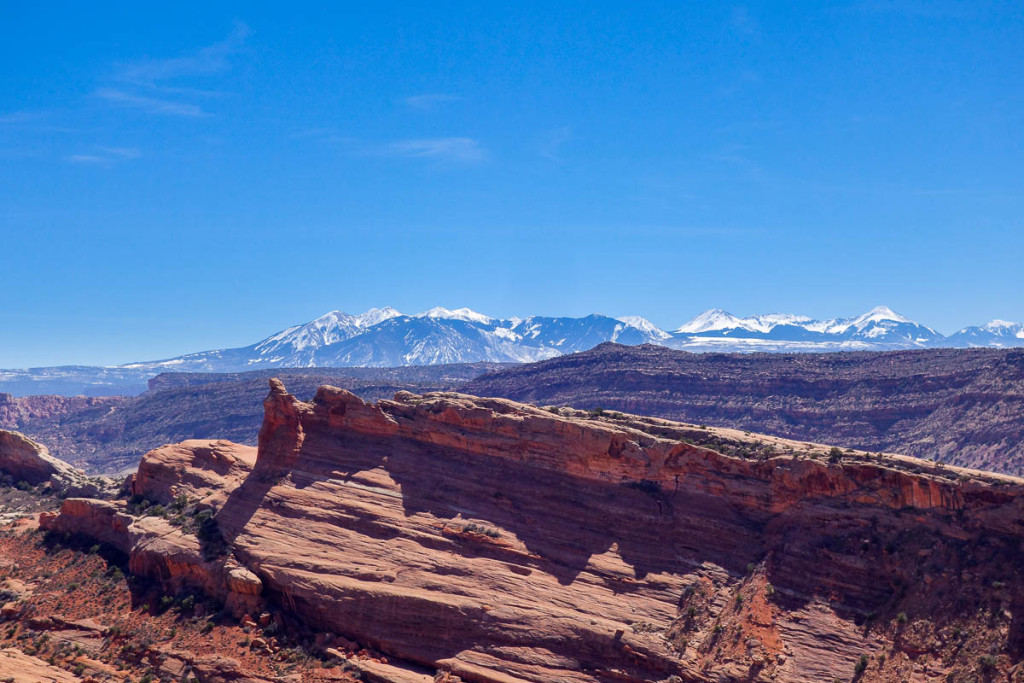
x=879, y=329
x=385, y=337
x=996, y=334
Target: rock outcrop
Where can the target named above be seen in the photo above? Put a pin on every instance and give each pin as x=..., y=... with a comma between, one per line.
x=502, y=543
x=197, y=469
x=105, y=435
x=24, y=460
x=964, y=407
x=18, y=667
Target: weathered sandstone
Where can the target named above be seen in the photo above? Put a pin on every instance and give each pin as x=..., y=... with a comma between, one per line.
x=18, y=667
x=197, y=469
x=506, y=543
x=22, y=459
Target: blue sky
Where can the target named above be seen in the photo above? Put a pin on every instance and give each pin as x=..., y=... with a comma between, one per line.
x=200, y=175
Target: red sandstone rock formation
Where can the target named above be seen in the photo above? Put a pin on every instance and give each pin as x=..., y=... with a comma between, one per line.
x=24, y=460
x=506, y=543
x=197, y=469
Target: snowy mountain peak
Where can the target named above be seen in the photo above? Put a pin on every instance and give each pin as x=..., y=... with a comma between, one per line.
x=1001, y=325
x=716, y=320
x=375, y=316
x=385, y=337
x=645, y=326
x=711, y=319
x=874, y=323
x=331, y=318
x=880, y=314
x=464, y=314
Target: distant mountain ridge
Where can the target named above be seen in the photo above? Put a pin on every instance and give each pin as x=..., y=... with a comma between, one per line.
x=385, y=337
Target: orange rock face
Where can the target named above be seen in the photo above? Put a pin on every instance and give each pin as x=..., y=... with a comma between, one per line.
x=503, y=543
x=197, y=469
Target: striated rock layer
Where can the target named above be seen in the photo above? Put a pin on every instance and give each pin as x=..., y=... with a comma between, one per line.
x=964, y=407
x=506, y=543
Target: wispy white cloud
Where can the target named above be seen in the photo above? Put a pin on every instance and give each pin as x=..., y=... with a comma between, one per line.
x=736, y=155
x=151, y=105
x=17, y=117
x=463, y=150
x=554, y=141
x=743, y=23
x=929, y=9
x=429, y=101
x=106, y=156
x=208, y=60
x=32, y=121
x=153, y=85
x=453, y=149
x=324, y=135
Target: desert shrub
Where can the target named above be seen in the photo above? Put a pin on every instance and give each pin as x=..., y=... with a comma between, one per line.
x=209, y=535
x=480, y=529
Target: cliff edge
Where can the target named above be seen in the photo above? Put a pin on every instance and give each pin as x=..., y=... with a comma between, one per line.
x=501, y=542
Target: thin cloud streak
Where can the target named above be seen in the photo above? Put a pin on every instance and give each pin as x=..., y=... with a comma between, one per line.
x=463, y=150
x=208, y=60
x=32, y=121
x=556, y=139
x=429, y=101
x=141, y=84
x=18, y=117
x=151, y=105
x=454, y=149
x=106, y=156
x=742, y=23
x=928, y=9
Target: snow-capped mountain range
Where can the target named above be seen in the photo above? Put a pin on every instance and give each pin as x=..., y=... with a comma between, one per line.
x=385, y=337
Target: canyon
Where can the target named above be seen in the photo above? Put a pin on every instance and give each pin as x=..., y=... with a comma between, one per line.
x=961, y=407
x=492, y=541
x=108, y=435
